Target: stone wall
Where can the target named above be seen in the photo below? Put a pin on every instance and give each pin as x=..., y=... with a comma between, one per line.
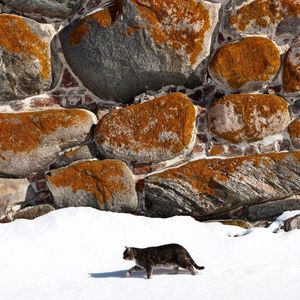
x=151, y=107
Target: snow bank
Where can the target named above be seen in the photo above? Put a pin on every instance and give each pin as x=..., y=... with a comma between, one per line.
x=76, y=253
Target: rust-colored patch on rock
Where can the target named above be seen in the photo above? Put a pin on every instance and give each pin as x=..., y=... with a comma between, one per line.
x=291, y=70
x=181, y=24
x=16, y=36
x=100, y=178
x=165, y=123
x=203, y=175
x=250, y=117
x=104, y=18
x=21, y=132
x=263, y=13
x=294, y=133
x=251, y=59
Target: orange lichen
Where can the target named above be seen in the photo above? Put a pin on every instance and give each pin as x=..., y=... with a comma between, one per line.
x=203, y=175
x=166, y=123
x=21, y=132
x=248, y=109
x=101, y=178
x=18, y=37
x=104, y=18
x=263, y=13
x=181, y=24
x=294, y=129
x=251, y=59
x=291, y=71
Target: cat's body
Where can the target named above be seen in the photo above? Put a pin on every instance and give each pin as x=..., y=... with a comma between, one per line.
x=171, y=255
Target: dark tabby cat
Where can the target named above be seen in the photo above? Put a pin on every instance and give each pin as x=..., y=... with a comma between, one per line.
x=171, y=255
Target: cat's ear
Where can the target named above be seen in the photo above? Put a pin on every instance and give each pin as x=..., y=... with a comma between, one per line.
x=126, y=247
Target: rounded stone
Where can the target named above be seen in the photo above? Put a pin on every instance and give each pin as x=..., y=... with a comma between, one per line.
x=246, y=64
x=152, y=131
x=247, y=117
x=106, y=184
x=294, y=133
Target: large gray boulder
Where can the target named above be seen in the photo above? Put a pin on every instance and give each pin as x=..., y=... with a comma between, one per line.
x=208, y=187
x=134, y=46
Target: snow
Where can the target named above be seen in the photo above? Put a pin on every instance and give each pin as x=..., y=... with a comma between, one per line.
x=76, y=253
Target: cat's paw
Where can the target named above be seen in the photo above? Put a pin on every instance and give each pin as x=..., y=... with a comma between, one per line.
x=128, y=274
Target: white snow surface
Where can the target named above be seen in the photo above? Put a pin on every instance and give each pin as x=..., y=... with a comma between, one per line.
x=76, y=253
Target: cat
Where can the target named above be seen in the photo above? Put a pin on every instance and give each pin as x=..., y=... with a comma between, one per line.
x=170, y=255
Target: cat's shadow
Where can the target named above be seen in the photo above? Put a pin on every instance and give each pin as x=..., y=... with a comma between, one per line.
x=139, y=274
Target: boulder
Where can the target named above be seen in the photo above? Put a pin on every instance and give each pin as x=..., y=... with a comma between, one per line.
x=245, y=65
x=247, y=117
x=291, y=69
x=58, y=9
x=152, y=131
x=106, y=185
x=207, y=187
x=31, y=140
x=25, y=67
x=150, y=43
x=294, y=133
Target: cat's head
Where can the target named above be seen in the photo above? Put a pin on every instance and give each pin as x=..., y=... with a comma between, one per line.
x=128, y=254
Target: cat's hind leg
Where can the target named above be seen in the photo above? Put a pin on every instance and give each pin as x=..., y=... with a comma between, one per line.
x=185, y=264
x=175, y=270
x=148, y=272
x=135, y=268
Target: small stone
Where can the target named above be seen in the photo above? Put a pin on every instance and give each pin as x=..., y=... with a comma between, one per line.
x=292, y=223
x=294, y=133
x=12, y=191
x=106, y=185
x=25, y=67
x=32, y=140
x=33, y=212
x=291, y=69
x=245, y=64
x=152, y=131
x=247, y=117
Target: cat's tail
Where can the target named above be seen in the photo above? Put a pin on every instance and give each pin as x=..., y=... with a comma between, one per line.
x=196, y=266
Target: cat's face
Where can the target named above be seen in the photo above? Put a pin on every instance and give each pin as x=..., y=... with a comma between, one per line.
x=127, y=254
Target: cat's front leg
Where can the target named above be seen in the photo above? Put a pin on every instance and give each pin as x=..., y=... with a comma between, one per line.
x=135, y=268
x=148, y=272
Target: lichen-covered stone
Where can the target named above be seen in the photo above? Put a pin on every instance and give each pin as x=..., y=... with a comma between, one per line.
x=248, y=117
x=263, y=17
x=106, y=184
x=246, y=64
x=12, y=191
x=153, y=44
x=31, y=140
x=25, y=67
x=291, y=69
x=294, y=133
x=57, y=9
x=152, y=131
x=208, y=187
